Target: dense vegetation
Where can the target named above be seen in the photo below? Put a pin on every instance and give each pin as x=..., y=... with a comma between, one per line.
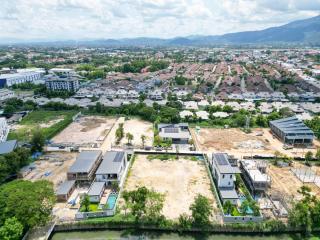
x=137, y=65
x=11, y=163
x=24, y=205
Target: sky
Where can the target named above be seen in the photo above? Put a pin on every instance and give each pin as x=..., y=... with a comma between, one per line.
x=103, y=19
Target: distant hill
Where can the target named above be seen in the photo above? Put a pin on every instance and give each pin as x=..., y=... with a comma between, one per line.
x=301, y=32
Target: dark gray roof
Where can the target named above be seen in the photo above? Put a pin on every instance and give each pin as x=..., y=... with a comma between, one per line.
x=292, y=126
x=8, y=146
x=96, y=188
x=222, y=163
x=228, y=193
x=65, y=187
x=111, y=162
x=85, y=161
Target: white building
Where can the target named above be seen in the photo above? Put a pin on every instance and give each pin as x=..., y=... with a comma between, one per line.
x=4, y=129
x=225, y=176
x=18, y=78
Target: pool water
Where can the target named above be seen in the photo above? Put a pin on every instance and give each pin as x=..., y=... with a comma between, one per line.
x=111, y=201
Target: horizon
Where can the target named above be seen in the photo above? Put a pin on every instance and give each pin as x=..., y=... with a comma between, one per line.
x=78, y=20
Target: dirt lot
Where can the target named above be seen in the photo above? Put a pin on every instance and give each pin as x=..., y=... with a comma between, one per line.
x=236, y=142
x=285, y=182
x=85, y=130
x=180, y=180
x=137, y=128
x=52, y=167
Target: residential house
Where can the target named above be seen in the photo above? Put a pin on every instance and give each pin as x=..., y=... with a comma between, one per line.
x=224, y=176
x=178, y=133
x=84, y=167
x=112, y=167
x=254, y=173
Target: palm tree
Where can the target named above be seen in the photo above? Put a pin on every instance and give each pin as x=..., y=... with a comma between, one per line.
x=143, y=140
x=129, y=136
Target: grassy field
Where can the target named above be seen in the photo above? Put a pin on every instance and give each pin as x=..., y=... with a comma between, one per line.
x=49, y=122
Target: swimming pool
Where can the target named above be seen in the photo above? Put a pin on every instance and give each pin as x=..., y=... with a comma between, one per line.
x=111, y=201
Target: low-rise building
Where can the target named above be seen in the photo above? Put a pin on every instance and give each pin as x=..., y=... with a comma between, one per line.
x=7, y=80
x=8, y=146
x=224, y=176
x=96, y=191
x=292, y=131
x=65, y=190
x=85, y=166
x=177, y=133
x=112, y=167
x=255, y=176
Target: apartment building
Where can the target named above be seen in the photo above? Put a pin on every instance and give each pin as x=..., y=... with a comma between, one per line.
x=69, y=84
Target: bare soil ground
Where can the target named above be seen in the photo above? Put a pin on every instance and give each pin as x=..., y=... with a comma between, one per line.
x=85, y=130
x=236, y=142
x=285, y=182
x=180, y=180
x=52, y=167
x=138, y=128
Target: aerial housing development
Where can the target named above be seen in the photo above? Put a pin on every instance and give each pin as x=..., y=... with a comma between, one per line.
x=172, y=136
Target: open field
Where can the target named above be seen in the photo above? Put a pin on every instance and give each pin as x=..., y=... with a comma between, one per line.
x=180, y=180
x=285, y=182
x=50, y=123
x=137, y=128
x=238, y=143
x=52, y=167
x=88, y=129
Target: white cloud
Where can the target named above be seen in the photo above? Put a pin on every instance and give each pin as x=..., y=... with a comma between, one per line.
x=80, y=19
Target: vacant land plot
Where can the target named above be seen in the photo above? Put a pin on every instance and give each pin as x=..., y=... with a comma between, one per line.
x=52, y=167
x=239, y=143
x=89, y=129
x=232, y=140
x=138, y=128
x=49, y=122
x=180, y=180
x=285, y=182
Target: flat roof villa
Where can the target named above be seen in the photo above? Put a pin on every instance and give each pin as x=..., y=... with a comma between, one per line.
x=224, y=176
x=112, y=167
x=178, y=133
x=85, y=166
x=254, y=173
x=292, y=131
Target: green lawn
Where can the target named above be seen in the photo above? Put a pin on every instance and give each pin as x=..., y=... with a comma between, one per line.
x=38, y=120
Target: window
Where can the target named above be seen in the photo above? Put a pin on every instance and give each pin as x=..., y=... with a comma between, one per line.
x=230, y=176
x=222, y=175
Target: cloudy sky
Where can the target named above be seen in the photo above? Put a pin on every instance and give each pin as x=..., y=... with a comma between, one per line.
x=91, y=19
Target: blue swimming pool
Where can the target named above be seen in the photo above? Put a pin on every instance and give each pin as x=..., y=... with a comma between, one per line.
x=111, y=201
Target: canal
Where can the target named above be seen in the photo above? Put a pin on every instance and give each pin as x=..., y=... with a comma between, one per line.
x=146, y=235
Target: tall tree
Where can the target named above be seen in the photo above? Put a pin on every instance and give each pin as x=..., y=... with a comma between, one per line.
x=37, y=141
x=201, y=210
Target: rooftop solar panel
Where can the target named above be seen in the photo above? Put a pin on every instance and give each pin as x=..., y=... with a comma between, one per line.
x=171, y=130
x=221, y=159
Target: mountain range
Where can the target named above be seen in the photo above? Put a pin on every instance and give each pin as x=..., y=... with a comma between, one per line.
x=301, y=32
